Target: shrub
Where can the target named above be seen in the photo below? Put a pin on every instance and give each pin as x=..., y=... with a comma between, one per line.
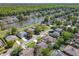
x=74, y=30
x=45, y=52
x=61, y=40
x=30, y=34
x=57, y=45
x=13, y=30
x=16, y=51
x=39, y=38
x=10, y=44
x=66, y=35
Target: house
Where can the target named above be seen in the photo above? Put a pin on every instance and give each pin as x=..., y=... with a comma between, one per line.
x=54, y=34
x=1, y=43
x=22, y=34
x=27, y=52
x=11, y=38
x=10, y=20
x=76, y=40
x=58, y=30
x=59, y=53
x=42, y=44
x=72, y=51
x=49, y=38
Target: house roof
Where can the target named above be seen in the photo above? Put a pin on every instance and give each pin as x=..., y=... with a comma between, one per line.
x=76, y=40
x=71, y=50
x=59, y=53
x=58, y=30
x=1, y=43
x=42, y=44
x=27, y=52
x=54, y=34
x=49, y=38
x=11, y=37
x=21, y=34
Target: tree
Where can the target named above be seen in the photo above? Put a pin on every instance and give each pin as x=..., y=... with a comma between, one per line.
x=66, y=35
x=39, y=38
x=73, y=19
x=57, y=45
x=74, y=30
x=1, y=25
x=46, y=19
x=38, y=29
x=30, y=33
x=60, y=39
x=46, y=51
x=16, y=51
x=13, y=30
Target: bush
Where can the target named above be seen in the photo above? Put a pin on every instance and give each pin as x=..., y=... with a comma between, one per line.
x=10, y=44
x=54, y=26
x=13, y=30
x=30, y=34
x=57, y=45
x=31, y=44
x=46, y=19
x=16, y=51
x=39, y=39
x=74, y=30
x=61, y=40
x=66, y=35
x=38, y=29
x=45, y=52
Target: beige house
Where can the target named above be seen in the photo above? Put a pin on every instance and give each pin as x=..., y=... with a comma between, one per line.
x=72, y=51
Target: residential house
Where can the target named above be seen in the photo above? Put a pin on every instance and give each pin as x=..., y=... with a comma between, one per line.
x=22, y=34
x=72, y=51
x=11, y=38
x=59, y=53
x=58, y=30
x=54, y=34
x=42, y=44
x=49, y=38
x=1, y=43
x=27, y=52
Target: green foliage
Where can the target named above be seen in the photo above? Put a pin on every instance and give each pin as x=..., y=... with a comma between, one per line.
x=66, y=35
x=23, y=9
x=74, y=30
x=30, y=34
x=13, y=30
x=39, y=38
x=73, y=19
x=46, y=52
x=16, y=51
x=58, y=22
x=10, y=44
x=61, y=40
x=54, y=26
x=40, y=27
x=46, y=19
x=31, y=44
x=57, y=45
x=1, y=25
